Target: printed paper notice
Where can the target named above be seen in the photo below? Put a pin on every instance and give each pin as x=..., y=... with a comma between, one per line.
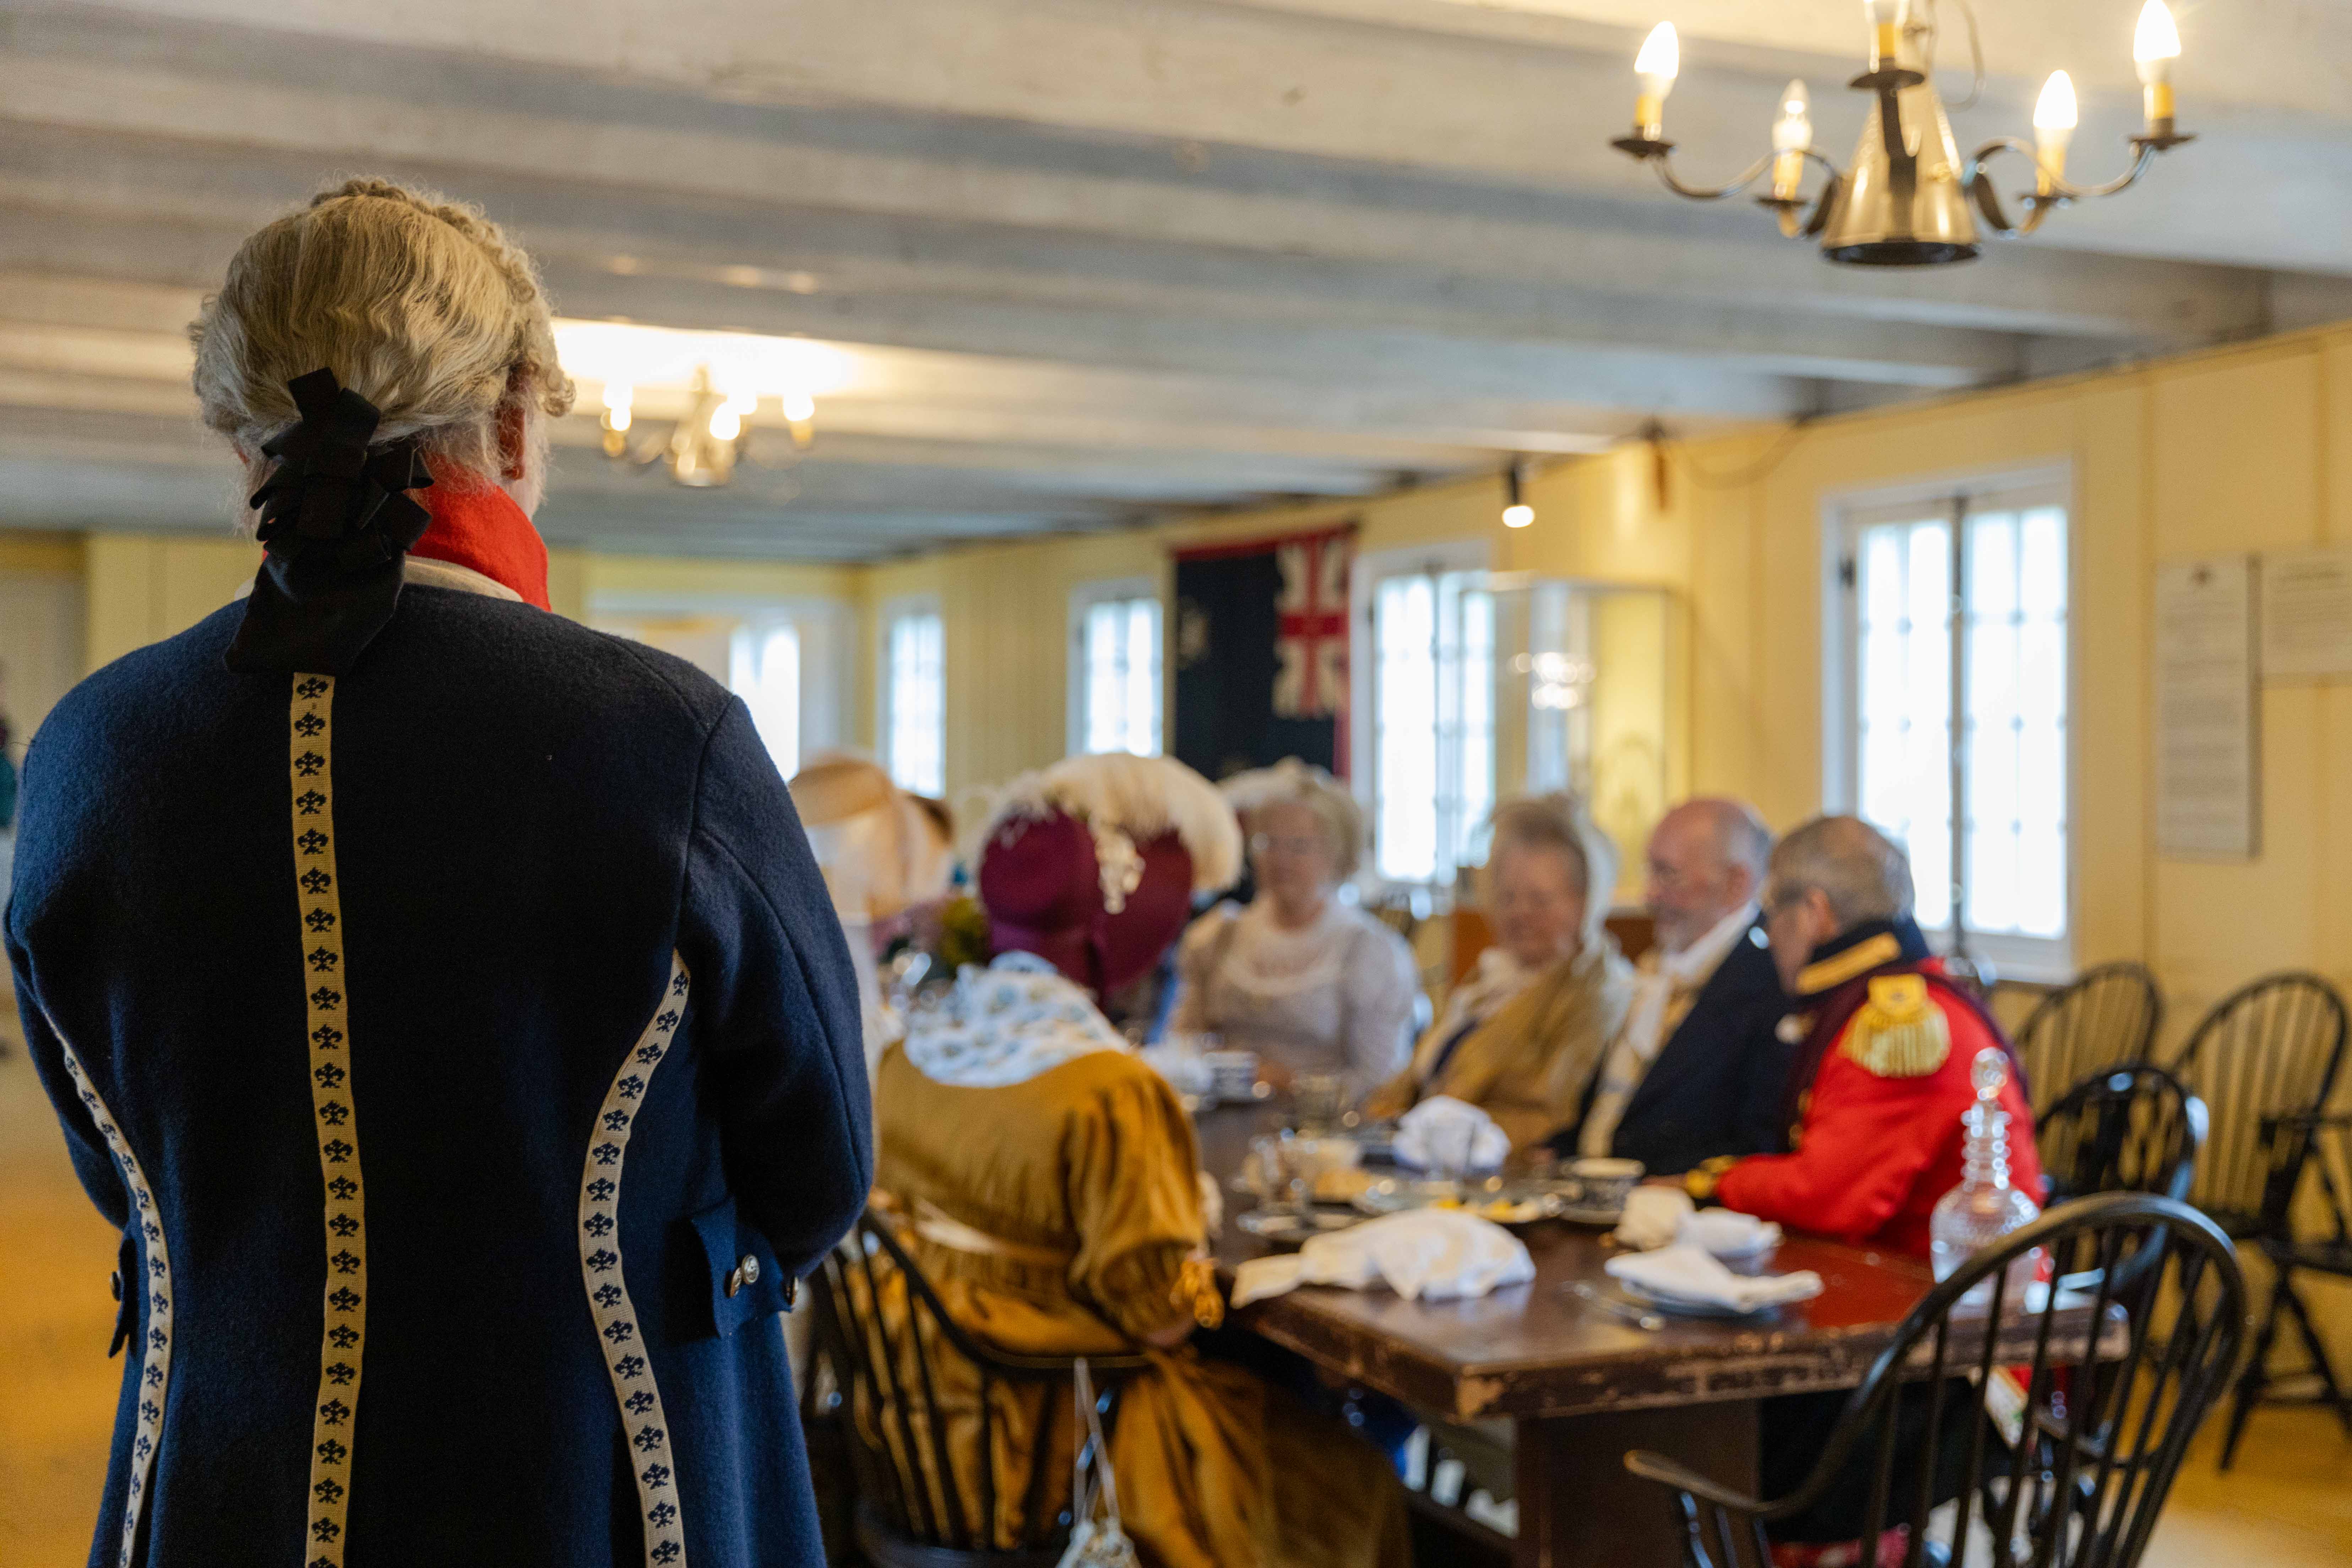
x=2306, y=613
x=2205, y=713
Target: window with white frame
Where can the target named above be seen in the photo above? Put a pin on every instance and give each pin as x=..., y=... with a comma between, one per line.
x=1432, y=720
x=763, y=667
x=1115, y=681
x=790, y=659
x=1956, y=604
x=914, y=696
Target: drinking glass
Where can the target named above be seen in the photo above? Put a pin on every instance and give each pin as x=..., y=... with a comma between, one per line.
x=1453, y=1149
x=1315, y=1103
x=1284, y=1183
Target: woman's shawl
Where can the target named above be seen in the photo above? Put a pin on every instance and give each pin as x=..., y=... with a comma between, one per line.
x=1528, y=1067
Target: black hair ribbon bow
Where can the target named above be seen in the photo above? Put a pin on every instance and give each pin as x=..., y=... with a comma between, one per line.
x=336, y=521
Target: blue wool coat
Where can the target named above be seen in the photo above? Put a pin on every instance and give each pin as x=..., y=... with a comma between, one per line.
x=469, y=1050
x=1719, y=1084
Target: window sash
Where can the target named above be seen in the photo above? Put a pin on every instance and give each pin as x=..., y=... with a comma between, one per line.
x=765, y=669
x=1899, y=638
x=1433, y=691
x=915, y=701
x=1116, y=701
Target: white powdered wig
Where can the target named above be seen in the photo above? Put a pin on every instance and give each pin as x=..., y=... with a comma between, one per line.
x=1138, y=797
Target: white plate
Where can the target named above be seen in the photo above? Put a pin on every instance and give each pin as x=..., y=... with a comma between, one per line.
x=1683, y=1306
x=1578, y=1215
x=1290, y=1226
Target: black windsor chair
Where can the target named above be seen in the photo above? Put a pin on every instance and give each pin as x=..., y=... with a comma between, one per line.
x=2264, y=1060
x=913, y=1508
x=2267, y=1050
x=2125, y=1129
x=2108, y=1016
x=2317, y=1144
x=2082, y=1483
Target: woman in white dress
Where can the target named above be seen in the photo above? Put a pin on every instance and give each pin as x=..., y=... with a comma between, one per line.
x=1310, y=984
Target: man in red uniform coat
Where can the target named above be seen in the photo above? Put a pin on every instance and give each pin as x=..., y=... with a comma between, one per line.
x=1880, y=1081
x=1882, y=1077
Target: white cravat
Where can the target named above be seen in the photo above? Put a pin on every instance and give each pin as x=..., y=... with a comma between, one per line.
x=1644, y=1034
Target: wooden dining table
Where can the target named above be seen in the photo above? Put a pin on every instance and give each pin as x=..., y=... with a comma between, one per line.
x=1581, y=1386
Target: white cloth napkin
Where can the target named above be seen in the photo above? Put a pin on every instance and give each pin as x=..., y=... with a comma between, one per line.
x=1728, y=1234
x=1437, y=1254
x=1434, y=1127
x=1653, y=1218
x=1658, y=1217
x=1687, y=1272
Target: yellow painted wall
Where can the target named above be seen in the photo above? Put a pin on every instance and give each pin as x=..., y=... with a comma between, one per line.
x=143, y=587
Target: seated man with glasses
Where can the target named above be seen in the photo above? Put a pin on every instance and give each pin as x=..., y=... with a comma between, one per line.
x=1886, y=1041
x=1698, y=1069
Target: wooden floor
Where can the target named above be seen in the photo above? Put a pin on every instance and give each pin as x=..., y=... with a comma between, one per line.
x=2288, y=1504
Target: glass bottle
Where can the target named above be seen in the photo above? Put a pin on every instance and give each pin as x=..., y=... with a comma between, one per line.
x=1984, y=1207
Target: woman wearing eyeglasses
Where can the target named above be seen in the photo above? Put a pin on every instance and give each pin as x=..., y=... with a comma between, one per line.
x=1524, y=1033
x=1310, y=983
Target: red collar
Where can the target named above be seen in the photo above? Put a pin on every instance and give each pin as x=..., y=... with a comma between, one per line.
x=477, y=525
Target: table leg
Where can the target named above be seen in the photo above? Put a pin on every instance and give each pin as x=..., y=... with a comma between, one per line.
x=1581, y=1508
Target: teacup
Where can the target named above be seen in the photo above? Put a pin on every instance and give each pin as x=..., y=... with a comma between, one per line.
x=1232, y=1074
x=1605, y=1182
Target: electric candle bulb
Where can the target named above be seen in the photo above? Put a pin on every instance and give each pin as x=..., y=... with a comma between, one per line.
x=618, y=397
x=2054, y=128
x=2056, y=110
x=1519, y=516
x=1792, y=135
x=1886, y=18
x=798, y=407
x=725, y=423
x=1660, y=61
x=2155, y=44
x=1793, y=132
x=2054, y=118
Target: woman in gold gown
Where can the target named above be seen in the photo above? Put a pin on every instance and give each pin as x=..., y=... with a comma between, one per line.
x=1047, y=1185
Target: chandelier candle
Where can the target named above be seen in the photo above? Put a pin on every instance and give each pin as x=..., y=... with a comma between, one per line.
x=1793, y=138
x=2155, y=44
x=2054, y=118
x=1886, y=22
x=1660, y=61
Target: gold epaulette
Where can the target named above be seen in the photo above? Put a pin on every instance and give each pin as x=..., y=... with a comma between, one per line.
x=1899, y=1032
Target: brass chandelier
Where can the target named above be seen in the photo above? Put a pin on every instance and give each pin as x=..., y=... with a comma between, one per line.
x=706, y=441
x=1906, y=201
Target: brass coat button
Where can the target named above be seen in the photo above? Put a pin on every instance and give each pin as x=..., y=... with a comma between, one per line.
x=745, y=1272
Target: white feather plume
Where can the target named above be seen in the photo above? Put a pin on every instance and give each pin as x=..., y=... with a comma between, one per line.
x=1141, y=798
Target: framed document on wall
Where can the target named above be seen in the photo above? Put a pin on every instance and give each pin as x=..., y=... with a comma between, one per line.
x=2306, y=618
x=2207, y=751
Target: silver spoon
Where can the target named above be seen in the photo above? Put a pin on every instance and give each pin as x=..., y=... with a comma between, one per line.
x=1616, y=1308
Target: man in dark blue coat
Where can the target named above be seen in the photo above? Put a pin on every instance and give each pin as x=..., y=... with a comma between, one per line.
x=440, y=996
x=1699, y=1067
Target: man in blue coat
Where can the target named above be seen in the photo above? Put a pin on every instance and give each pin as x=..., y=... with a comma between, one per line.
x=1698, y=1068
x=440, y=996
